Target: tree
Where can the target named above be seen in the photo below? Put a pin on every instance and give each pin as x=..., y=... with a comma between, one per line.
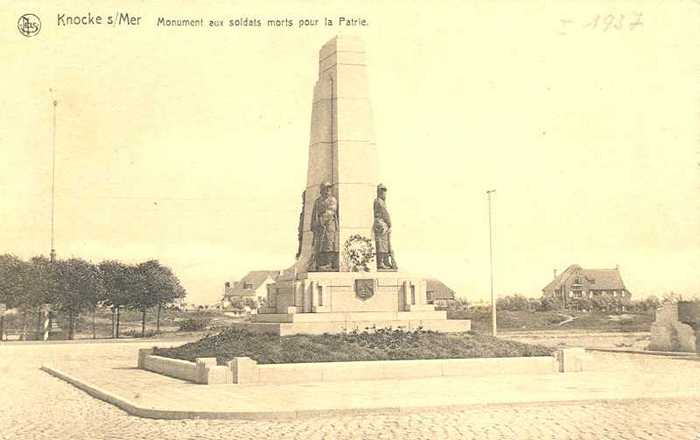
x=156, y=286
x=547, y=304
x=12, y=285
x=40, y=287
x=12, y=278
x=119, y=281
x=78, y=286
x=513, y=303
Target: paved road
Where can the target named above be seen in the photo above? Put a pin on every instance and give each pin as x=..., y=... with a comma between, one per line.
x=38, y=406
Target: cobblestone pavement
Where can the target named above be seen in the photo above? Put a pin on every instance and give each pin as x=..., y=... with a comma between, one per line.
x=38, y=406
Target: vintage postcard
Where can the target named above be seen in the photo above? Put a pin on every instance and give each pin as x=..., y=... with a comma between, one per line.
x=372, y=219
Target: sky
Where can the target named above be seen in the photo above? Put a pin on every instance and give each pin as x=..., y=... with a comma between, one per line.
x=190, y=145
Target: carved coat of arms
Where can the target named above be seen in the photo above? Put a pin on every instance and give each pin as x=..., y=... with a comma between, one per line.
x=364, y=289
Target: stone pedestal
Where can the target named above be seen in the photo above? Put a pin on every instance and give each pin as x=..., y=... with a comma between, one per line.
x=669, y=333
x=332, y=302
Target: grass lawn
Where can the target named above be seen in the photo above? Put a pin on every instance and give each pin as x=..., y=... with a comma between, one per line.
x=382, y=344
x=555, y=320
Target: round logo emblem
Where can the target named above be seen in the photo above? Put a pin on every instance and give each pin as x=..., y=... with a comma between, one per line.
x=29, y=25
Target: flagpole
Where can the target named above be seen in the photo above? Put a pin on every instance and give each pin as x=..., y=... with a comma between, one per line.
x=52, y=255
x=493, y=299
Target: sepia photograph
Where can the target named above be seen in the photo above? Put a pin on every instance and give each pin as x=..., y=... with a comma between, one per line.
x=385, y=219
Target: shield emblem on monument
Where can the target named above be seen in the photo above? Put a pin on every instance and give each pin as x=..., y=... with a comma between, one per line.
x=364, y=289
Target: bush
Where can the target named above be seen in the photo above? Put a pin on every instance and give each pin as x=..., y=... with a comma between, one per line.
x=133, y=333
x=195, y=324
x=548, y=304
x=371, y=344
x=513, y=303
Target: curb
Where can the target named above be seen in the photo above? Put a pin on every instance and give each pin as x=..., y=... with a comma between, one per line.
x=180, y=338
x=647, y=352
x=154, y=413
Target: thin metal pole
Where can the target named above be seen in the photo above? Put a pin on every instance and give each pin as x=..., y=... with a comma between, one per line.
x=493, y=299
x=52, y=255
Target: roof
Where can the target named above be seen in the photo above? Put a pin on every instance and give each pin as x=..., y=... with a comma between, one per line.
x=255, y=278
x=596, y=279
x=439, y=290
x=604, y=278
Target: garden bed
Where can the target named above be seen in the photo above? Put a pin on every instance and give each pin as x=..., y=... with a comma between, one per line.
x=380, y=344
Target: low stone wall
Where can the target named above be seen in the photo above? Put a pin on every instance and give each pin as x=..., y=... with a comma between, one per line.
x=243, y=370
x=203, y=370
x=251, y=372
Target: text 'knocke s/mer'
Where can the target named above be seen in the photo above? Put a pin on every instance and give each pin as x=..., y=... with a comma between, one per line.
x=90, y=19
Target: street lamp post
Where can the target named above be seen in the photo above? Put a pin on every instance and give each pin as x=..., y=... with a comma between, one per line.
x=493, y=299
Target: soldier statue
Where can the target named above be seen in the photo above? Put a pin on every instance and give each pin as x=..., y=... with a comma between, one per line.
x=300, y=228
x=382, y=232
x=324, y=224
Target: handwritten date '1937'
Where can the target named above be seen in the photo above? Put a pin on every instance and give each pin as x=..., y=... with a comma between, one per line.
x=603, y=23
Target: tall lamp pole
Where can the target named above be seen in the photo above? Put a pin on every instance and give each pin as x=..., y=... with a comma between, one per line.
x=52, y=255
x=493, y=299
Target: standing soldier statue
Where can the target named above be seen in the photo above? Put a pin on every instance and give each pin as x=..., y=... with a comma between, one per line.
x=324, y=224
x=382, y=232
x=300, y=228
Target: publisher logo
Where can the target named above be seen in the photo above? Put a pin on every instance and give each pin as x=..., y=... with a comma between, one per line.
x=29, y=25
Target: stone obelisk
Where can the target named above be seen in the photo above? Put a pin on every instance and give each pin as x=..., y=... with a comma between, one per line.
x=342, y=149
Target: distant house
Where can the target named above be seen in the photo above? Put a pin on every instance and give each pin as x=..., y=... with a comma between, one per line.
x=439, y=294
x=253, y=286
x=575, y=284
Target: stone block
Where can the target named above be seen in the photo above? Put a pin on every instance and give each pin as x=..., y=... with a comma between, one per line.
x=349, y=371
x=570, y=359
x=201, y=366
x=143, y=352
x=353, y=121
x=412, y=369
x=243, y=370
x=319, y=171
x=356, y=215
x=358, y=164
x=341, y=43
x=661, y=337
x=335, y=61
x=344, y=299
x=421, y=307
x=218, y=375
x=290, y=373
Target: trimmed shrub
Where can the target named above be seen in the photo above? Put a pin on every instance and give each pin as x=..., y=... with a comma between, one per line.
x=197, y=323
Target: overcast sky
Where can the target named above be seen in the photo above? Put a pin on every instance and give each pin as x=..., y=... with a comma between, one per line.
x=190, y=145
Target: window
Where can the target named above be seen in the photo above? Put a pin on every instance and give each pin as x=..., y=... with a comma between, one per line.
x=247, y=285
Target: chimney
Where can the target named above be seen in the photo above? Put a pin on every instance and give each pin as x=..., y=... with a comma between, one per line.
x=555, y=274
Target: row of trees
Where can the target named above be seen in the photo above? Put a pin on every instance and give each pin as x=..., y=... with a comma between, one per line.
x=73, y=286
x=602, y=303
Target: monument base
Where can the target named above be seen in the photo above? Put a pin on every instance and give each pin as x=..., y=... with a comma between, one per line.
x=336, y=302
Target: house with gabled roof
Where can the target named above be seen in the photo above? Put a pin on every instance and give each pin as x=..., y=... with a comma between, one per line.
x=577, y=283
x=252, y=286
x=438, y=293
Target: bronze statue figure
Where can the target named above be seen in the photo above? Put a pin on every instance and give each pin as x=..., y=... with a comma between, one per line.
x=324, y=224
x=382, y=232
x=300, y=228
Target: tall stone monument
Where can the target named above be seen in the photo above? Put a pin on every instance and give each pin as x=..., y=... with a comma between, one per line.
x=345, y=276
